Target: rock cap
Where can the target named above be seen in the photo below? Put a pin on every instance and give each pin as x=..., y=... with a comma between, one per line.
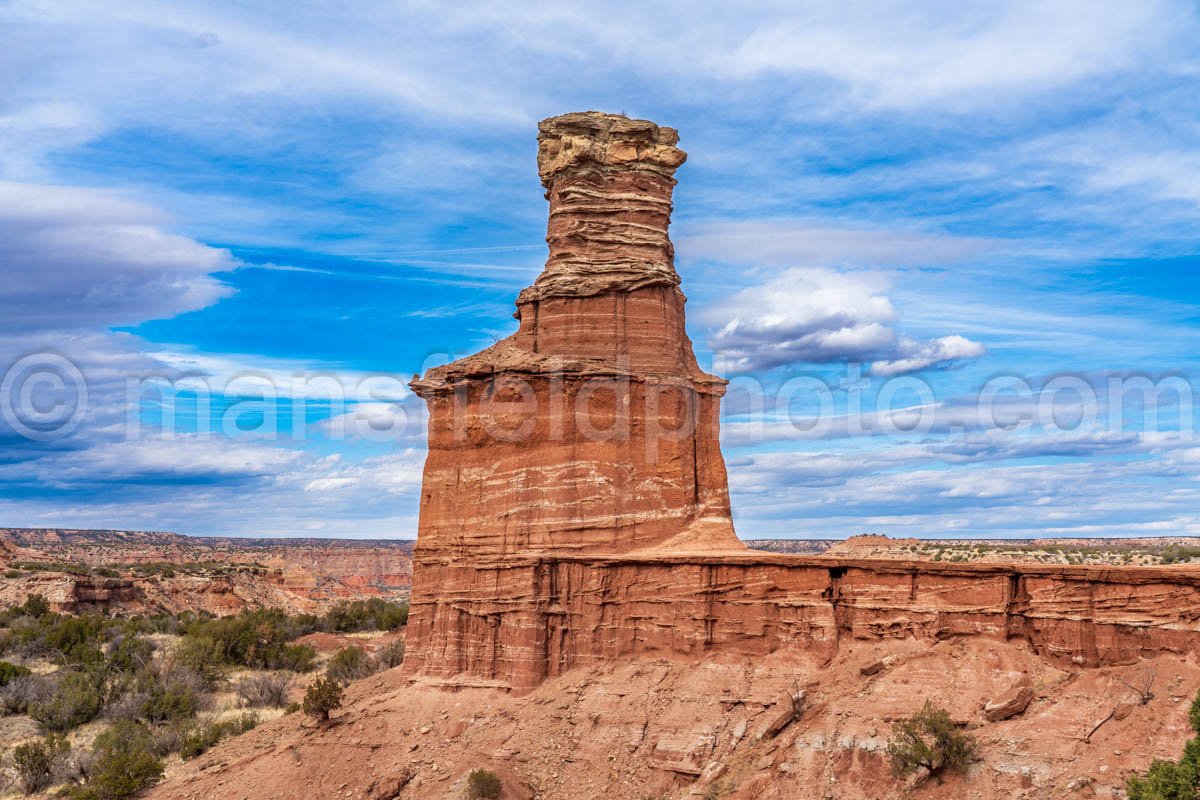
x=594, y=140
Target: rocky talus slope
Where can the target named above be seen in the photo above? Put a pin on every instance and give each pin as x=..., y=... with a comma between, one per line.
x=643, y=727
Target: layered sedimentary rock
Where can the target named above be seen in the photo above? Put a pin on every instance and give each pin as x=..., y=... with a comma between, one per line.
x=592, y=428
x=521, y=623
x=575, y=508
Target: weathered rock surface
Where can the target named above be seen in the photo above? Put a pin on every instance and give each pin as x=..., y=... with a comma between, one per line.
x=592, y=428
x=1010, y=703
x=521, y=622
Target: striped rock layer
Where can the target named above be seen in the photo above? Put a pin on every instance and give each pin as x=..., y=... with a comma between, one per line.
x=591, y=429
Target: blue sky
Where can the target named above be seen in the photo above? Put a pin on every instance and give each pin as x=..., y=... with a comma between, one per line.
x=235, y=194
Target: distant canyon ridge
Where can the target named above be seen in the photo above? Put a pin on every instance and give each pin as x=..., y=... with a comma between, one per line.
x=137, y=572
x=155, y=572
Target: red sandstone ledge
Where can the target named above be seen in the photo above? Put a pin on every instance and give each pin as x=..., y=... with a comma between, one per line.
x=1182, y=574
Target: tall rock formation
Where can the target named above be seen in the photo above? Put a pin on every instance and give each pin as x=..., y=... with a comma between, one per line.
x=591, y=429
x=575, y=511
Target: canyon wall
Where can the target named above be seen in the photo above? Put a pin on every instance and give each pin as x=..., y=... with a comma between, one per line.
x=575, y=508
x=147, y=572
x=519, y=622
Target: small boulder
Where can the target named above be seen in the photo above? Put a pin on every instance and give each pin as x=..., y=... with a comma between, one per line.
x=876, y=667
x=1009, y=704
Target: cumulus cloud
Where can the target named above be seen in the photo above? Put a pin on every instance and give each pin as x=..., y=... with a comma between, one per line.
x=819, y=316
x=915, y=356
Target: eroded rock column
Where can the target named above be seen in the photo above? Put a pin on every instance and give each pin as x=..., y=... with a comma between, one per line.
x=591, y=430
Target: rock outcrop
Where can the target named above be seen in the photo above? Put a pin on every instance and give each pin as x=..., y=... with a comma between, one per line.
x=575, y=508
x=1009, y=704
x=591, y=429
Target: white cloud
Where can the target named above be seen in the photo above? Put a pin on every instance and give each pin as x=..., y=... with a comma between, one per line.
x=818, y=315
x=915, y=356
x=74, y=258
x=973, y=54
x=871, y=491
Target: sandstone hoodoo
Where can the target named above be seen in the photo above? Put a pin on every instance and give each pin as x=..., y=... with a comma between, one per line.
x=575, y=507
x=592, y=428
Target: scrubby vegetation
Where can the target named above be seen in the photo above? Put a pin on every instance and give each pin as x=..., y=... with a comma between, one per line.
x=931, y=741
x=1173, y=780
x=349, y=664
x=483, y=785
x=206, y=736
x=323, y=697
x=149, y=688
x=1074, y=553
x=266, y=690
x=36, y=762
x=125, y=763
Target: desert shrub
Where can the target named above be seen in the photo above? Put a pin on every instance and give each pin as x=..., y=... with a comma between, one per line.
x=931, y=741
x=255, y=639
x=75, y=640
x=170, y=699
x=206, y=736
x=323, y=696
x=124, y=702
x=1172, y=780
x=73, y=701
x=124, y=763
x=483, y=785
x=36, y=762
x=175, y=624
x=129, y=653
x=34, y=606
x=263, y=690
x=295, y=658
x=10, y=671
x=201, y=655
x=349, y=664
x=390, y=655
x=1169, y=780
x=20, y=693
x=365, y=615
x=1194, y=714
